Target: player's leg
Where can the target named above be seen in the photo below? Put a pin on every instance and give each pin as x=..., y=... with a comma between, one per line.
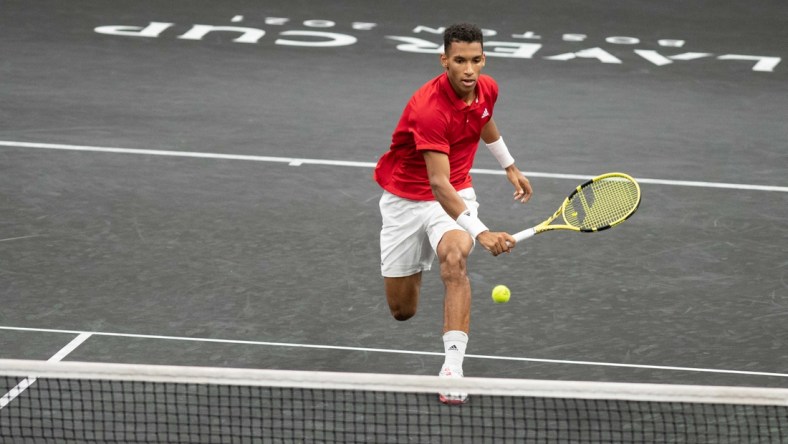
x=453, y=251
x=405, y=252
x=453, y=245
x=402, y=294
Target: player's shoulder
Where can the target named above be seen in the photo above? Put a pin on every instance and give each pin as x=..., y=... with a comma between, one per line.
x=428, y=93
x=432, y=87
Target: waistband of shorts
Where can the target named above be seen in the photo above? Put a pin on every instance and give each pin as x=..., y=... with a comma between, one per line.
x=466, y=193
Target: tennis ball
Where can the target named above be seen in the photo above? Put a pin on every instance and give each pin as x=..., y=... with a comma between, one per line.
x=501, y=294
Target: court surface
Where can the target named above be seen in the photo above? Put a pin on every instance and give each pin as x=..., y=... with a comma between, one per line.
x=170, y=195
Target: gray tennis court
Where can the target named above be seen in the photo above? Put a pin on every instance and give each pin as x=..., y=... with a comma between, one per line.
x=177, y=194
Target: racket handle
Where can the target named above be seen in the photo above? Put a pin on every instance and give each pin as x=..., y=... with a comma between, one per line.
x=525, y=234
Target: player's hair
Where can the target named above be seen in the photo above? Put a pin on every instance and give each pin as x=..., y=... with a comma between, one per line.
x=462, y=32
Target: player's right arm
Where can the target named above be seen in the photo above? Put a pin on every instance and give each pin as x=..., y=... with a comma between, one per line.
x=438, y=170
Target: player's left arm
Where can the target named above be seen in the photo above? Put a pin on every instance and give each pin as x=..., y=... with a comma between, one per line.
x=492, y=138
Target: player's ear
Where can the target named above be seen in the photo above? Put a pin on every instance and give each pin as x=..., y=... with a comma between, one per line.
x=444, y=61
x=484, y=59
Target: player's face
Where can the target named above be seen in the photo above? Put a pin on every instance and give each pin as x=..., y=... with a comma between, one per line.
x=463, y=62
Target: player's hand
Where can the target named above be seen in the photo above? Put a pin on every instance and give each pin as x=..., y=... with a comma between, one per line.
x=522, y=186
x=496, y=242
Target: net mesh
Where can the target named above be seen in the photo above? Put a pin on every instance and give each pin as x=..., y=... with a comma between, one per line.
x=602, y=203
x=137, y=407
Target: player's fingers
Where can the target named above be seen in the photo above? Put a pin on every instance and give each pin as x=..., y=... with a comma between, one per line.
x=491, y=249
x=495, y=249
x=509, y=242
x=523, y=191
x=527, y=193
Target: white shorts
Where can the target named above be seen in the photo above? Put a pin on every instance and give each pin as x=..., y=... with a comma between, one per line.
x=412, y=230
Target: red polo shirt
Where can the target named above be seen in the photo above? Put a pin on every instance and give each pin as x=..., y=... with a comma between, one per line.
x=435, y=119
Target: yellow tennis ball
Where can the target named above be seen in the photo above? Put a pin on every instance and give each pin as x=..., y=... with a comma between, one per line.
x=501, y=294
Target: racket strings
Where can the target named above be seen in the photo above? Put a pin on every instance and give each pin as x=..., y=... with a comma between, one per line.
x=602, y=203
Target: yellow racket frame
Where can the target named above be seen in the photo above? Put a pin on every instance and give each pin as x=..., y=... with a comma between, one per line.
x=621, y=203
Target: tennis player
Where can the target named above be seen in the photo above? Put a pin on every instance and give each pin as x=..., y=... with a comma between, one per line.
x=428, y=205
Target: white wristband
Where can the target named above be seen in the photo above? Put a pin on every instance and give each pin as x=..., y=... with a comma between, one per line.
x=501, y=153
x=472, y=224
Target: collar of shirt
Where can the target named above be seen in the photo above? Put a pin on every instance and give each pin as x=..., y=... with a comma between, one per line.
x=458, y=103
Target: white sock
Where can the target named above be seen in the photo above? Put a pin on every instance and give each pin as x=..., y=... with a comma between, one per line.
x=454, y=343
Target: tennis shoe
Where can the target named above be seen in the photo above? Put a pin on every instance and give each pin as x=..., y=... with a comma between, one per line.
x=452, y=398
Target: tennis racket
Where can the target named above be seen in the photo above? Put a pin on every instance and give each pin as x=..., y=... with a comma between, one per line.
x=602, y=202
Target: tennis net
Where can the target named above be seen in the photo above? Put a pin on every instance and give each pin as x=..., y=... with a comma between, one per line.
x=69, y=402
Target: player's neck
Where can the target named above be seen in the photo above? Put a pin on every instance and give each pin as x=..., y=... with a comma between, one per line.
x=468, y=99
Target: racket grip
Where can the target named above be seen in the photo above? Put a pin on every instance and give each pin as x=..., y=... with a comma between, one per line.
x=525, y=234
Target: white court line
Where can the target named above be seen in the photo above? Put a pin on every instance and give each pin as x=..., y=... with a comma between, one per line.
x=57, y=357
x=20, y=238
x=293, y=161
x=406, y=352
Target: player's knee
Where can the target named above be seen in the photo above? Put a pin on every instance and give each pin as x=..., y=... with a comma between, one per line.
x=402, y=314
x=453, y=266
x=402, y=305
